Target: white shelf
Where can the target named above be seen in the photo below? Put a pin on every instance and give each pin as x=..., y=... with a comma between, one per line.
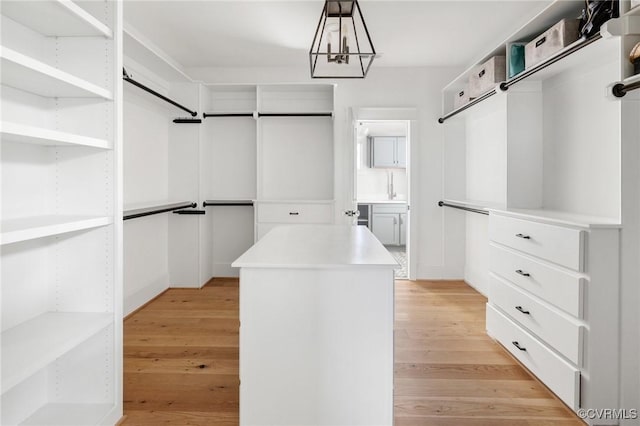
x=143, y=51
x=23, y=229
x=13, y=132
x=69, y=415
x=556, y=11
x=55, y=18
x=561, y=218
x=34, y=344
x=599, y=52
x=31, y=75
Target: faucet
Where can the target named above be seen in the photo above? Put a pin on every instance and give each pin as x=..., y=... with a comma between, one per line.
x=392, y=195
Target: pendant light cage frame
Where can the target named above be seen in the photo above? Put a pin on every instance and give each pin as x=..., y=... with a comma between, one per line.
x=354, y=64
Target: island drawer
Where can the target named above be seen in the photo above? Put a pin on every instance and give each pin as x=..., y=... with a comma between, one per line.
x=295, y=213
x=559, y=375
x=557, y=244
x=557, y=286
x=560, y=332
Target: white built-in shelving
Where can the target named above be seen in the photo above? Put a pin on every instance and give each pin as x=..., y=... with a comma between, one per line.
x=69, y=415
x=29, y=228
x=34, y=344
x=56, y=18
x=60, y=234
x=31, y=75
x=550, y=151
x=20, y=133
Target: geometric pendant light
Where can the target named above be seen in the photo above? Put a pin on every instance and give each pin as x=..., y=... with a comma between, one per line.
x=341, y=47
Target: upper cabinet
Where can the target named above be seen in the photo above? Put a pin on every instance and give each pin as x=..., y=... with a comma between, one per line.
x=388, y=151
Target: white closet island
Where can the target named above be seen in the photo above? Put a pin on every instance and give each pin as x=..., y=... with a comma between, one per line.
x=316, y=328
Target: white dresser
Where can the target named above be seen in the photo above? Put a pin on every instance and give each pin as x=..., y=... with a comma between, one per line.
x=270, y=214
x=554, y=302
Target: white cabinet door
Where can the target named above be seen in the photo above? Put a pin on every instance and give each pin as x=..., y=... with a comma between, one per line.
x=403, y=228
x=383, y=151
x=401, y=152
x=385, y=228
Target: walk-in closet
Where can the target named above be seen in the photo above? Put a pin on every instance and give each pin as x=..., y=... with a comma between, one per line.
x=320, y=212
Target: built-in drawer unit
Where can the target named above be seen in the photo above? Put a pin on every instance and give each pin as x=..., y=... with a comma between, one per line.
x=554, y=294
x=558, y=330
x=295, y=213
x=556, y=244
x=559, y=375
x=557, y=286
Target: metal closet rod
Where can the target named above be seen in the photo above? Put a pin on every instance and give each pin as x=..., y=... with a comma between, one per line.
x=456, y=206
x=504, y=86
x=148, y=211
x=128, y=78
x=267, y=114
x=619, y=90
x=226, y=203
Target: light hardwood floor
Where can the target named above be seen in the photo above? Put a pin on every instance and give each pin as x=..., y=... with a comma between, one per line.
x=181, y=362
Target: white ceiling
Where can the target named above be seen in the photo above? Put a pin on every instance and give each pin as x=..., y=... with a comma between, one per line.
x=279, y=33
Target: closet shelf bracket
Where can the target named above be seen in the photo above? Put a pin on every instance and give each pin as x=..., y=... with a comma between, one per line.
x=200, y=212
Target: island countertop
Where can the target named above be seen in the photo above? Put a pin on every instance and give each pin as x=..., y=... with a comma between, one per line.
x=317, y=246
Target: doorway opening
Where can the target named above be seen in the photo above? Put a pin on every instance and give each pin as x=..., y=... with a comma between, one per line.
x=382, y=184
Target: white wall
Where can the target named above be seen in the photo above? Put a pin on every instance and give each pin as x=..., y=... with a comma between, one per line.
x=145, y=169
x=418, y=88
x=581, y=160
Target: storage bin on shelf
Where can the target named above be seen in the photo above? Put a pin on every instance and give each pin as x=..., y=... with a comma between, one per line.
x=462, y=97
x=515, y=59
x=487, y=75
x=551, y=41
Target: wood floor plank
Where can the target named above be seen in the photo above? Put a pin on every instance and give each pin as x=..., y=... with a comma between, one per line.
x=408, y=387
x=181, y=362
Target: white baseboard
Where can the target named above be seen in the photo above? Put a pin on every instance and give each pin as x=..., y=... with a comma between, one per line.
x=477, y=280
x=439, y=273
x=225, y=270
x=144, y=295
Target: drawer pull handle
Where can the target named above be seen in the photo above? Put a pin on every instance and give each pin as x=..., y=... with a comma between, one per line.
x=522, y=310
x=521, y=272
x=517, y=345
x=526, y=237
x=293, y=213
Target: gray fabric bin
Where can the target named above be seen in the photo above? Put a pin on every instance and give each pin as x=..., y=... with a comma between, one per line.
x=551, y=41
x=460, y=98
x=486, y=76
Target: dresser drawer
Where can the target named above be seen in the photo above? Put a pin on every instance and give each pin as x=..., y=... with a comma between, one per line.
x=560, y=332
x=557, y=244
x=295, y=213
x=554, y=285
x=560, y=376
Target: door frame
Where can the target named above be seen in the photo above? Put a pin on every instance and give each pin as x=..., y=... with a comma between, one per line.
x=410, y=115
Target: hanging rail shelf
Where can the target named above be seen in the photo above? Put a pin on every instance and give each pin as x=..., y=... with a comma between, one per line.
x=461, y=207
x=504, y=86
x=148, y=211
x=126, y=77
x=621, y=89
x=227, y=203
